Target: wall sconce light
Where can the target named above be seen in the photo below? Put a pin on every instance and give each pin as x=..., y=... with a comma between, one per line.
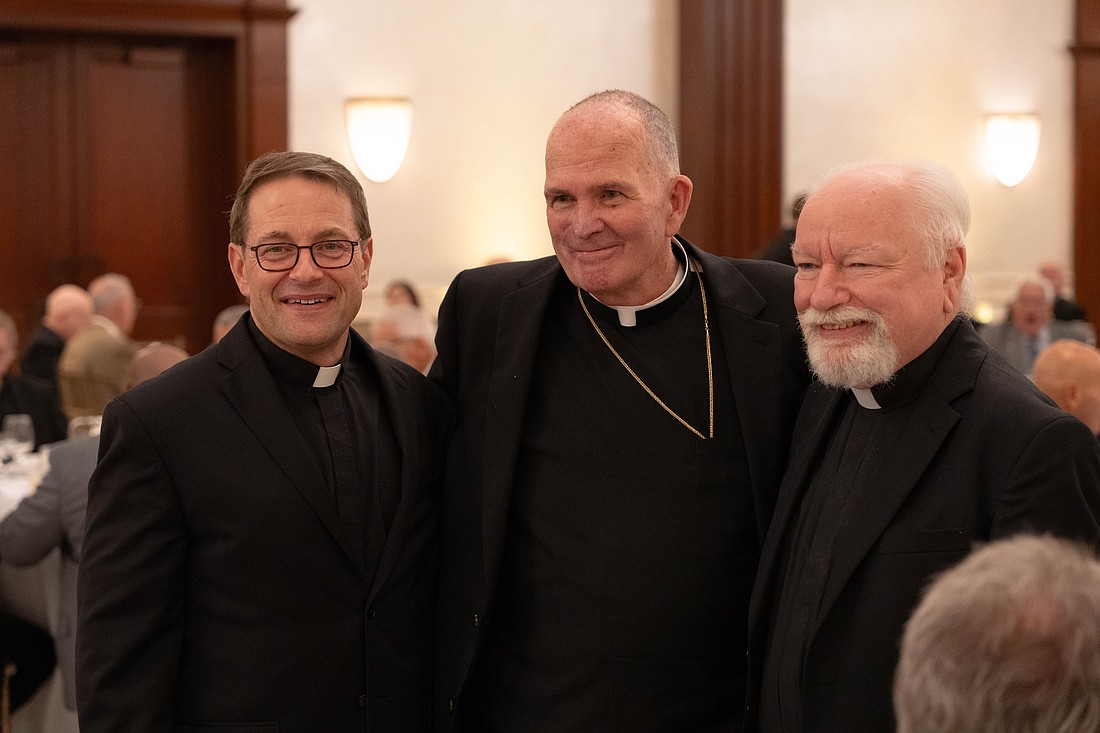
x=378, y=132
x=1011, y=142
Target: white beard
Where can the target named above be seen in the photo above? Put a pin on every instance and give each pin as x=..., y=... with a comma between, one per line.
x=845, y=366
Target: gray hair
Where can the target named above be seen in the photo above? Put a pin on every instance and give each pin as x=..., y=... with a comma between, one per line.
x=1008, y=641
x=228, y=317
x=939, y=213
x=108, y=290
x=311, y=166
x=660, y=135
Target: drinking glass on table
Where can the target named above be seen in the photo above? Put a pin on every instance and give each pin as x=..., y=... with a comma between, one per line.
x=84, y=425
x=19, y=432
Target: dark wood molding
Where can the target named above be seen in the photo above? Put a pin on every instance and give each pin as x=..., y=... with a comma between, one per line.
x=731, y=80
x=1086, y=194
x=224, y=102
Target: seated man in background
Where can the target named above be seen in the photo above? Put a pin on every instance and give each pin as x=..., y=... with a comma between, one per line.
x=93, y=365
x=1069, y=373
x=405, y=333
x=68, y=312
x=226, y=320
x=27, y=395
x=1064, y=308
x=1008, y=640
x=1030, y=326
x=53, y=516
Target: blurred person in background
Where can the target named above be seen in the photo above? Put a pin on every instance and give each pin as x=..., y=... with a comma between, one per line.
x=401, y=292
x=406, y=333
x=225, y=320
x=93, y=364
x=1069, y=373
x=27, y=395
x=53, y=516
x=1065, y=309
x=68, y=312
x=1030, y=326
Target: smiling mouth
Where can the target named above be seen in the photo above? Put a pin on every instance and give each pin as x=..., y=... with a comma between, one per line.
x=839, y=326
x=305, y=301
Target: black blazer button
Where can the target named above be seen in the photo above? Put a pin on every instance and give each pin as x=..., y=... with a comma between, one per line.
x=451, y=706
x=363, y=701
x=477, y=620
x=371, y=612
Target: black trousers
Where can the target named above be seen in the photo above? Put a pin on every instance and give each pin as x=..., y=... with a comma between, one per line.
x=30, y=649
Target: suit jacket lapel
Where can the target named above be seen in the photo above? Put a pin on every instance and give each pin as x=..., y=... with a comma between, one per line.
x=753, y=354
x=395, y=401
x=518, y=330
x=875, y=502
x=250, y=388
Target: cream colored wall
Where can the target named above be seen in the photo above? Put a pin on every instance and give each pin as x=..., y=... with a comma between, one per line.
x=487, y=79
x=864, y=80
x=914, y=79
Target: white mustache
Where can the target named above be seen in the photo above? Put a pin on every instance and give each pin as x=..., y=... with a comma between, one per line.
x=841, y=315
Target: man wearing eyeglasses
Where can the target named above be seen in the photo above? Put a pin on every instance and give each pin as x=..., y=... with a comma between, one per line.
x=261, y=539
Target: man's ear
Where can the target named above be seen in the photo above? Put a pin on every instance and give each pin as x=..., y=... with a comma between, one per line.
x=954, y=274
x=679, y=196
x=237, y=256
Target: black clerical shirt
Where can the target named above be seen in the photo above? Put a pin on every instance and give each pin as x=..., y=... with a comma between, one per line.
x=847, y=471
x=631, y=544
x=369, y=456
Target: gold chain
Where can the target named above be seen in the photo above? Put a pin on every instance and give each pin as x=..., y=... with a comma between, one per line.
x=710, y=367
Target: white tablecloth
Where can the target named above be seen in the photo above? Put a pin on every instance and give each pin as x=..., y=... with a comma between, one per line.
x=31, y=593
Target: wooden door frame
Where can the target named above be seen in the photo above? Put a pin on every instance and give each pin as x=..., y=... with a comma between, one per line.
x=1086, y=189
x=257, y=29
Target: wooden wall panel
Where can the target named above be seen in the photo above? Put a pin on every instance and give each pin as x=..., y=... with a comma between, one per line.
x=1087, y=159
x=730, y=121
x=35, y=232
x=125, y=146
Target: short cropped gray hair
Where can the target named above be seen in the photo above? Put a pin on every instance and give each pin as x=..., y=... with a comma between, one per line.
x=1008, y=641
x=659, y=133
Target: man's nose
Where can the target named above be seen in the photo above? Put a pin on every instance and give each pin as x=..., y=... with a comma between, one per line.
x=830, y=289
x=305, y=268
x=587, y=220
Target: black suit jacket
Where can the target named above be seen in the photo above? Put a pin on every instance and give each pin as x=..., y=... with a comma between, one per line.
x=34, y=397
x=987, y=455
x=41, y=354
x=217, y=589
x=490, y=324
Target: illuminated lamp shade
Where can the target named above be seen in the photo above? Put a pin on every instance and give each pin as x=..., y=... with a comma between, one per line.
x=1011, y=142
x=378, y=132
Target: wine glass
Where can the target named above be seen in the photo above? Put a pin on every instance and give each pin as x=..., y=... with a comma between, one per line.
x=84, y=425
x=19, y=431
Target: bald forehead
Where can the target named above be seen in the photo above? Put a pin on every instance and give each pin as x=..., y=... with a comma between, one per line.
x=598, y=121
x=860, y=201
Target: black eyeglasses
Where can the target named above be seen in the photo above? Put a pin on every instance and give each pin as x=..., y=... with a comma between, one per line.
x=331, y=254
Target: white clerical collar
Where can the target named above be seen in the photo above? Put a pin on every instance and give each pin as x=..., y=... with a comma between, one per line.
x=326, y=376
x=865, y=399
x=628, y=314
